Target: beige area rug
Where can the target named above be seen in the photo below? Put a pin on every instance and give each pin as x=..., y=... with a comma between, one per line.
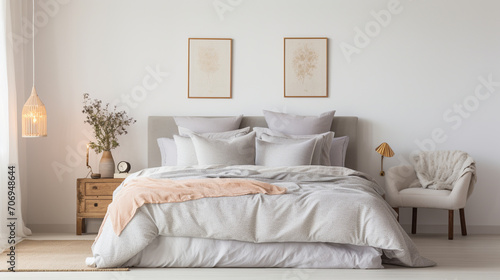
x=51, y=255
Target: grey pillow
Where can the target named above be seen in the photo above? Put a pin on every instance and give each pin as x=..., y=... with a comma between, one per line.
x=168, y=151
x=338, y=150
x=262, y=130
x=299, y=125
x=186, y=153
x=215, y=135
x=284, y=154
x=235, y=151
x=209, y=124
x=321, y=153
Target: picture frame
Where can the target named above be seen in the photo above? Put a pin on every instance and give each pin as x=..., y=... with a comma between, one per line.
x=210, y=68
x=305, y=66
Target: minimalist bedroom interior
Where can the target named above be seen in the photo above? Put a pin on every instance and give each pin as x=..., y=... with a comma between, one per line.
x=223, y=139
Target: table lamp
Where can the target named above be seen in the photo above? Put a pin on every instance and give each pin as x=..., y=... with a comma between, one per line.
x=92, y=174
x=385, y=150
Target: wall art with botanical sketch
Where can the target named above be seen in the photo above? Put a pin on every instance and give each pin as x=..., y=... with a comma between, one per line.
x=306, y=67
x=209, y=67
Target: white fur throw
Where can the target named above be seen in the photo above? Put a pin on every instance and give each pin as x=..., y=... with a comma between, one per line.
x=439, y=170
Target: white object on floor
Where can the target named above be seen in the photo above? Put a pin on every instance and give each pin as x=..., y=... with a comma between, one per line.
x=90, y=261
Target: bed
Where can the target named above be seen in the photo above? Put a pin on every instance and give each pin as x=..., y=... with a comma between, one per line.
x=326, y=216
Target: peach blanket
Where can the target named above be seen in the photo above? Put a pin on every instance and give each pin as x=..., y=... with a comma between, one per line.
x=139, y=191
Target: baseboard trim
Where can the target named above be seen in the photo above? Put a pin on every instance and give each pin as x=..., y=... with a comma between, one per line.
x=92, y=226
x=52, y=228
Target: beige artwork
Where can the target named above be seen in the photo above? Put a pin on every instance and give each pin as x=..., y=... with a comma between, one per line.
x=208, y=60
x=305, y=61
x=209, y=68
x=305, y=67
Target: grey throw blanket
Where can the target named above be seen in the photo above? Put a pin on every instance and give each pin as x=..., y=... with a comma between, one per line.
x=439, y=170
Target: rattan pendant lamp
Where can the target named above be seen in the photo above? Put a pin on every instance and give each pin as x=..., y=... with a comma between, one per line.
x=34, y=115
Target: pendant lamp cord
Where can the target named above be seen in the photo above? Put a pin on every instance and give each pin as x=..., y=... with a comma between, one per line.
x=33, y=30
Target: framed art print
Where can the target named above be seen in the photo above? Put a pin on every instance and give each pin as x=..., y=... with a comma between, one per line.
x=306, y=67
x=209, y=67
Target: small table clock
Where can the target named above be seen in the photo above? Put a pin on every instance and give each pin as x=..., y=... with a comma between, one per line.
x=123, y=167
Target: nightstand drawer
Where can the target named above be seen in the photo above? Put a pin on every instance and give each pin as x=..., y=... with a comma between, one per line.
x=99, y=188
x=96, y=205
x=93, y=197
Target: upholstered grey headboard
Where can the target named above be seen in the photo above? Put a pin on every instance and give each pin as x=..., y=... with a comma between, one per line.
x=164, y=126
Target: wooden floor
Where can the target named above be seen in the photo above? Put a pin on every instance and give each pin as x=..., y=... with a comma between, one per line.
x=470, y=257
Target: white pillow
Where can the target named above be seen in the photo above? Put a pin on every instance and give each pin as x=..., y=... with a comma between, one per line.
x=338, y=150
x=215, y=135
x=321, y=153
x=284, y=154
x=299, y=125
x=186, y=153
x=168, y=151
x=209, y=124
x=235, y=151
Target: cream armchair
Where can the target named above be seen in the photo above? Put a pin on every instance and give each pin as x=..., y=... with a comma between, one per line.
x=398, y=194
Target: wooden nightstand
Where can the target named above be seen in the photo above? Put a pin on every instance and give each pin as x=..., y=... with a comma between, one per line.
x=92, y=199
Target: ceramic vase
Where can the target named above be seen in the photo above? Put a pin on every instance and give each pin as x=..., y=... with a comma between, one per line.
x=107, y=165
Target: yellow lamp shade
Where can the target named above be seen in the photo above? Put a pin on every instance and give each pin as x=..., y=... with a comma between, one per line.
x=34, y=117
x=385, y=150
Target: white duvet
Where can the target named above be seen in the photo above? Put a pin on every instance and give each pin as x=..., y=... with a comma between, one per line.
x=329, y=217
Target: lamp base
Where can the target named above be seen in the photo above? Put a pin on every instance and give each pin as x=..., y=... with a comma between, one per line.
x=382, y=173
x=95, y=175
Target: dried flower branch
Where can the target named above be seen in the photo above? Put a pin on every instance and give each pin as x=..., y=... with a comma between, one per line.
x=107, y=124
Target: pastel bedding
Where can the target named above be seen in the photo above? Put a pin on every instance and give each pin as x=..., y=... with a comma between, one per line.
x=329, y=217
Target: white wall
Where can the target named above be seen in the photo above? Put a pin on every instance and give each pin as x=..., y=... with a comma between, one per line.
x=400, y=83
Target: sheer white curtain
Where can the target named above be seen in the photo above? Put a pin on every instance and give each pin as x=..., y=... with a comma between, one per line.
x=8, y=134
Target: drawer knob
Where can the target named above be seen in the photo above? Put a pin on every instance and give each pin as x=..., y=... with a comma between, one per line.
x=94, y=187
x=95, y=204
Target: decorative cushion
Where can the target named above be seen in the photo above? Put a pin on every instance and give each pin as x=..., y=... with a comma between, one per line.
x=299, y=125
x=265, y=130
x=284, y=154
x=209, y=124
x=321, y=153
x=168, y=151
x=235, y=151
x=215, y=135
x=186, y=153
x=338, y=150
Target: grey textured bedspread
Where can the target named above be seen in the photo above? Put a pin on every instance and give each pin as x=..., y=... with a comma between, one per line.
x=322, y=204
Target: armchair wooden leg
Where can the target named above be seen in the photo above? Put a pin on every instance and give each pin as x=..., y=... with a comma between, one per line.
x=462, y=222
x=397, y=212
x=450, y=224
x=414, y=221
